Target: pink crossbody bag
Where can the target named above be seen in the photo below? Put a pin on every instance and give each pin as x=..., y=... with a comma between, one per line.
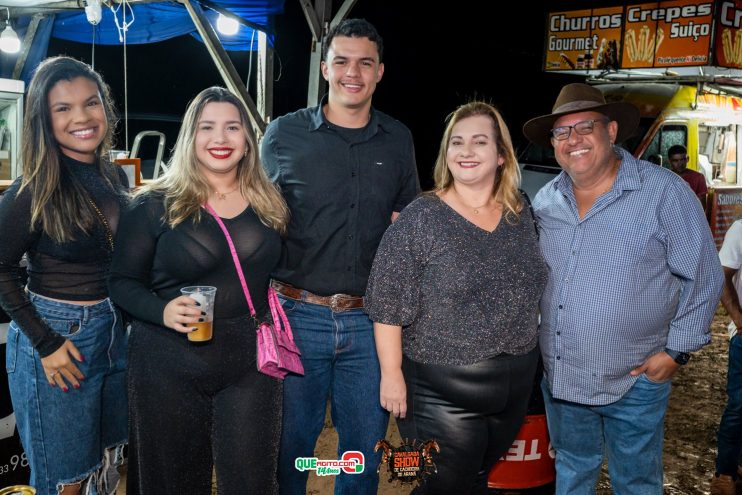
x=277, y=352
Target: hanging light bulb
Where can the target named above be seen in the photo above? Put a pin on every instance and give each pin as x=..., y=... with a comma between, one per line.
x=9, y=42
x=92, y=11
x=226, y=25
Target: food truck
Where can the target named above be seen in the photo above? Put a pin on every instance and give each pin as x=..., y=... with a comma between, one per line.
x=680, y=63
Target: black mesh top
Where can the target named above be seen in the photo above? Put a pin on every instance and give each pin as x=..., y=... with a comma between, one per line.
x=153, y=262
x=74, y=270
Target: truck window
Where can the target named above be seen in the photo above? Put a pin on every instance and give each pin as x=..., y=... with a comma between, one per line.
x=717, y=147
x=666, y=137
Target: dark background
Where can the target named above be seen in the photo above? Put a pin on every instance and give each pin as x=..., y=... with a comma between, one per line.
x=436, y=58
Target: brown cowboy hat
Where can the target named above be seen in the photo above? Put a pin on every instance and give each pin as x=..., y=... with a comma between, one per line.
x=578, y=97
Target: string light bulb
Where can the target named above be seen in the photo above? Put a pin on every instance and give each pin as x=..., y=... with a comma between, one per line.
x=93, y=11
x=226, y=25
x=9, y=41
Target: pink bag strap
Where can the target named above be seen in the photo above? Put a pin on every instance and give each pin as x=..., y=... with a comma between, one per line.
x=277, y=313
x=235, y=258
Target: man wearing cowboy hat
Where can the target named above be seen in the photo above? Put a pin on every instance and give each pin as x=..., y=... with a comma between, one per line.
x=634, y=281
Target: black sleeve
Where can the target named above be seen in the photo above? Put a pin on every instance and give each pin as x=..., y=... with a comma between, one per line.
x=410, y=187
x=269, y=154
x=136, y=242
x=17, y=239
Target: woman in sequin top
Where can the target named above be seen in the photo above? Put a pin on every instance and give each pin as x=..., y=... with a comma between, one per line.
x=454, y=294
x=66, y=350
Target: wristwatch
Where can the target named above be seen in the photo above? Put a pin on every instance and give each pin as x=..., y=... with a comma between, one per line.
x=679, y=357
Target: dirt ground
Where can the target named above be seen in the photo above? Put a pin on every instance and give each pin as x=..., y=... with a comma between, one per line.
x=696, y=403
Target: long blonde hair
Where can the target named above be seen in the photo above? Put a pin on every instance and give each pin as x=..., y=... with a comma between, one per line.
x=507, y=180
x=59, y=203
x=184, y=186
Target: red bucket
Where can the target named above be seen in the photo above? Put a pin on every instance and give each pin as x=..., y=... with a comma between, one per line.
x=530, y=461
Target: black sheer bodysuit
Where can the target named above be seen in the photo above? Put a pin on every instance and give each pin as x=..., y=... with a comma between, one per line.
x=75, y=270
x=153, y=261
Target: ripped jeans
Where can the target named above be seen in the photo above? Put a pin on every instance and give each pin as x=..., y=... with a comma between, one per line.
x=75, y=437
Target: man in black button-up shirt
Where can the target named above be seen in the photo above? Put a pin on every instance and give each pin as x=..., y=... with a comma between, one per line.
x=346, y=170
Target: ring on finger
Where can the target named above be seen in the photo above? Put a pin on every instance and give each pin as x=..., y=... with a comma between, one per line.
x=56, y=372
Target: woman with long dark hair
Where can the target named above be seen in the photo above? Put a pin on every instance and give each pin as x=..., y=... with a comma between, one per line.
x=196, y=407
x=66, y=350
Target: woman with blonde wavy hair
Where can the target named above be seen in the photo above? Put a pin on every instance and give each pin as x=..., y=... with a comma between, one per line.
x=199, y=406
x=453, y=294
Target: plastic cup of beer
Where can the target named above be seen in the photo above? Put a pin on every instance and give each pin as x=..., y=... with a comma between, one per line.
x=114, y=155
x=204, y=295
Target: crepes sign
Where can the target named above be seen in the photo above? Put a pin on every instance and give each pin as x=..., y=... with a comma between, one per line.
x=667, y=34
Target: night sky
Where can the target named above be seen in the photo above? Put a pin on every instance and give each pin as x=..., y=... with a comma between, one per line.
x=471, y=49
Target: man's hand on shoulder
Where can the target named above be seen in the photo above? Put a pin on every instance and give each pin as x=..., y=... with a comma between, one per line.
x=659, y=367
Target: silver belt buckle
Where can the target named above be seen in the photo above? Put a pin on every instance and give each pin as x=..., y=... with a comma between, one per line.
x=334, y=301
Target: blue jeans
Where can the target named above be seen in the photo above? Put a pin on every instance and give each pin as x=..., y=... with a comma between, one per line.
x=629, y=430
x=339, y=357
x=730, y=429
x=78, y=435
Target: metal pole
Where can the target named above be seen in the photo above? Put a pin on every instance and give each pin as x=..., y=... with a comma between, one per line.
x=224, y=64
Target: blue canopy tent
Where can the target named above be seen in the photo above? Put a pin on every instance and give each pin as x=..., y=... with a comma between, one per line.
x=153, y=21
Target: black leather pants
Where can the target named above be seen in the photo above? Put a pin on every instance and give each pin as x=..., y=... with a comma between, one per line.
x=474, y=413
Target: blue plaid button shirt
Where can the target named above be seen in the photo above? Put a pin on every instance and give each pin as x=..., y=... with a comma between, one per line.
x=637, y=274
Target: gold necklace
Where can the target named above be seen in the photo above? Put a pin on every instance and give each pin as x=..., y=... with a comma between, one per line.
x=223, y=195
x=102, y=217
x=474, y=208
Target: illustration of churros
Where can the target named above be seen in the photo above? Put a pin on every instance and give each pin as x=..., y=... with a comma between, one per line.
x=630, y=44
x=732, y=48
x=601, y=53
x=641, y=43
x=644, y=47
x=659, y=38
x=567, y=60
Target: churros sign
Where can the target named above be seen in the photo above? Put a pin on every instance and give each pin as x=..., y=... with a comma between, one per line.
x=667, y=34
x=584, y=39
x=728, y=51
